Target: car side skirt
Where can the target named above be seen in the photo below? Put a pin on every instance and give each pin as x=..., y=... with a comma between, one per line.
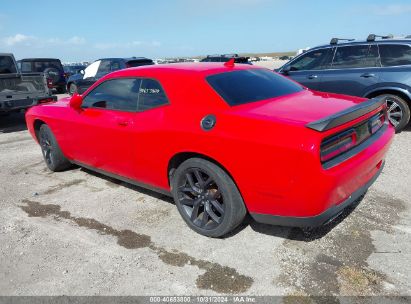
x=320, y=219
x=124, y=179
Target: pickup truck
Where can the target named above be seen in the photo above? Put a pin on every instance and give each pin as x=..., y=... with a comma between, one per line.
x=20, y=91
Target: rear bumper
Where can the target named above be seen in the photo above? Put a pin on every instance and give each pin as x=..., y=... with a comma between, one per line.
x=24, y=103
x=318, y=220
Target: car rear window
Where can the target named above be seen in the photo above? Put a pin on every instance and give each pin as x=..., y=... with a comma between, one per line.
x=240, y=87
x=40, y=66
x=7, y=65
x=395, y=55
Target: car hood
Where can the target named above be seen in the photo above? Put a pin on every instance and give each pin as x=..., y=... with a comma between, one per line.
x=303, y=107
x=75, y=77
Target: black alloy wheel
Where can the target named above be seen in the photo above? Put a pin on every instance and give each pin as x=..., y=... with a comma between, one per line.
x=46, y=148
x=201, y=199
x=398, y=111
x=52, y=154
x=207, y=197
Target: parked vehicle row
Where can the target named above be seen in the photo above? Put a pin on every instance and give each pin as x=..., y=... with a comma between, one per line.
x=371, y=68
x=20, y=90
x=80, y=82
x=226, y=57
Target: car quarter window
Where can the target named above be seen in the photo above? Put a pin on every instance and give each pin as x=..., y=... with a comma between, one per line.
x=395, y=54
x=115, y=94
x=151, y=95
x=357, y=56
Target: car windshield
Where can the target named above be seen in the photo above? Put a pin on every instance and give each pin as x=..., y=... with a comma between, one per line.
x=40, y=66
x=240, y=87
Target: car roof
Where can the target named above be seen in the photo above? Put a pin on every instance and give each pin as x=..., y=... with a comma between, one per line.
x=125, y=59
x=198, y=68
x=361, y=42
x=39, y=59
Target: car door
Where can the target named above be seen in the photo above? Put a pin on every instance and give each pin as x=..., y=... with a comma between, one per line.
x=102, y=132
x=307, y=69
x=149, y=123
x=354, y=69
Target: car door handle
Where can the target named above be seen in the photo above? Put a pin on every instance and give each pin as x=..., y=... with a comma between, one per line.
x=312, y=76
x=367, y=75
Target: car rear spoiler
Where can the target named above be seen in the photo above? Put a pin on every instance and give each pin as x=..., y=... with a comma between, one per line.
x=346, y=115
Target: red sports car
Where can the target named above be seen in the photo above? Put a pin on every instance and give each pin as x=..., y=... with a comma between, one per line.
x=223, y=139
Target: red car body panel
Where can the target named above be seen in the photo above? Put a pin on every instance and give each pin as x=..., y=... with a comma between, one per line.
x=265, y=146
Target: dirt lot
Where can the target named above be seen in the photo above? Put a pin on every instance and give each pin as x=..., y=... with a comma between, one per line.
x=79, y=233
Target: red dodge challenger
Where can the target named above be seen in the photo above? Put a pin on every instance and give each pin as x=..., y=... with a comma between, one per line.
x=223, y=139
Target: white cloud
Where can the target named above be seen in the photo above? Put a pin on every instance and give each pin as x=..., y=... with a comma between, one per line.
x=27, y=40
x=18, y=39
x=76, y=40
x=391, y=9
x=127, y=45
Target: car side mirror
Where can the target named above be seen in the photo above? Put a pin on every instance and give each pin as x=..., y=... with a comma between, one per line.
x=82, y=72
x=76, y=101
x=286, y=70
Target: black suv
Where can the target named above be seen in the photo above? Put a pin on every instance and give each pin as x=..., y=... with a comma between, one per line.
x=86, y=78
x=379, y=66
x=225, y=58
x=51, y=67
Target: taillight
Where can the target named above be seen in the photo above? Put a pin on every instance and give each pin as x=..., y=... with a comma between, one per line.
x=338, y=144
x=49, y=83
x=376, y=122
x=46, y=100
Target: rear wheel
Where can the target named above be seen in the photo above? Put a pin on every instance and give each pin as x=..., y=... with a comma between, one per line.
x=54, y=158
x=207, y=198
x=72, y=88
x=398, y=111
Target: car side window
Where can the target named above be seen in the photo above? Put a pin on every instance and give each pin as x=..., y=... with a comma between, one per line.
x=116, y=94
x=312, y=60
x=115, y=65
x=373, y=58
x=151, y=95
x=357, y=56
x=395, y=54
x=104, y=66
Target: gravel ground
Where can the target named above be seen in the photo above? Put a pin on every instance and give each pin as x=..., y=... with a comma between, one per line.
x=79, y=233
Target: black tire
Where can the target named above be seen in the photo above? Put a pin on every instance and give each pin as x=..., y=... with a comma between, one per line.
x=212, y=206
x=61, y=90
x=53, y=74
x=72, y=88
x=398, y=111
x=54, y=158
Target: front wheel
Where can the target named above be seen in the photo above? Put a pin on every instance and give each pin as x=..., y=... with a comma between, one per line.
x=207, y=198
x=72, y=89
x=54, y=158
x=398, y=111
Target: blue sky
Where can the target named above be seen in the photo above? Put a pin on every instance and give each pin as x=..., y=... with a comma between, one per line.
x=90, y=29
